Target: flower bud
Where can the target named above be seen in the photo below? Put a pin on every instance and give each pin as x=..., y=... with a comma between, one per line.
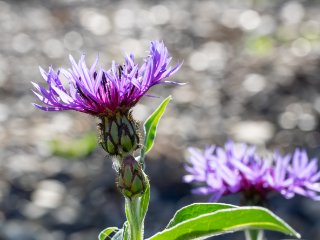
x=119, y=134
x=131, y=179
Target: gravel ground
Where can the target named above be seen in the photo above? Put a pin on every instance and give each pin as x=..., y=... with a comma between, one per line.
x=252, y=69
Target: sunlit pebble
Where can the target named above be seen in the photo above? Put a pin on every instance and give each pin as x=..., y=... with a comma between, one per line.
x=267, y=25
x=49, y=194
x=292, y=12
x=4, y=188
x=301, y=47
x=316, y=47
x=3, y=76
x=22, y=43
x=124, y=19
x=140, y=112
x=4, y=7
x=295, y=107
x=198, y=61
x=3, y=62
x=216, y=54
x=3, y=136
x=202, y=27
x=21, y=229
x=43, y=149
x=70, y=1
x=181, y=19
x=34, y=14
x=53, y=48
x=132, y=46
x=206, y=9
x=62, y=122
x=230, y=18
x=4, y=110
x=288, y=120
x=284, y=75
x=184, y=94
x=33, y=211
x=186, y=44
x=256, y=132
x=161, y=14
x=307, y=122
x=72, y=40
x=287, y=32
x=58, y=234
x=316, y=104
x=95, y=22
x=286, y=57
x=18, y=127
x=311, y=29
x=44, y=234
x=313, y=138
x=254, y=83
x=173, y=37
x=151, y=33
x=144, y=19
x=234, y=107
x=79, y=170
x=10, y=23
x=249, y=20
x=21, y=107
x=23, y=163
x=66, y=215
x=283, y=138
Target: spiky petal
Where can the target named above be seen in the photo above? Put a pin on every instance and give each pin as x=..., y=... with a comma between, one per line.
x=101, y=92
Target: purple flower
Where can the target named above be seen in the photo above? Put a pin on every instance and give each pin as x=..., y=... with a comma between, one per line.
x=103, y=92
x=236, y=168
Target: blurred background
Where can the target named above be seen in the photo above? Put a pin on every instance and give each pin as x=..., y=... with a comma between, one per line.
x=252, y=69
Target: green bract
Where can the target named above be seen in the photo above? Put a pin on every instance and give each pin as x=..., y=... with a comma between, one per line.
x=131, y=179
x=119, y=134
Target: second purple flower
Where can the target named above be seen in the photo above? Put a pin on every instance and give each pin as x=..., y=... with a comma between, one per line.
x=218, y=171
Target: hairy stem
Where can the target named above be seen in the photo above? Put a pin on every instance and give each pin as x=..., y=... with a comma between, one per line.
x=133, y=215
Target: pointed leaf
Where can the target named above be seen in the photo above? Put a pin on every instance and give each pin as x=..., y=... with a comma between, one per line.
x=150, y=126
x=225, y=221
x=106, y=232
x=195, y=210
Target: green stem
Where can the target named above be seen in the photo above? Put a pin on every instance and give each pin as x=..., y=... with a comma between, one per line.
x=133, y=215
x=254, y=235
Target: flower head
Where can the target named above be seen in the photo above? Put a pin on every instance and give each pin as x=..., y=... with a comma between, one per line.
x=238, y=168
x=103, y=92
x=131, y=178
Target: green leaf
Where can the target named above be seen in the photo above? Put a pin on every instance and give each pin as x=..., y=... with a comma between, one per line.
x=74, y=148
x=106, y=232
x=118, y=235
x=150, y=126
x=225, y=221
x=195, y=210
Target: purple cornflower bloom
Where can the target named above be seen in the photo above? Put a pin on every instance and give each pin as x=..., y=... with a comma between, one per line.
x=103, y=92
x=235, y=168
